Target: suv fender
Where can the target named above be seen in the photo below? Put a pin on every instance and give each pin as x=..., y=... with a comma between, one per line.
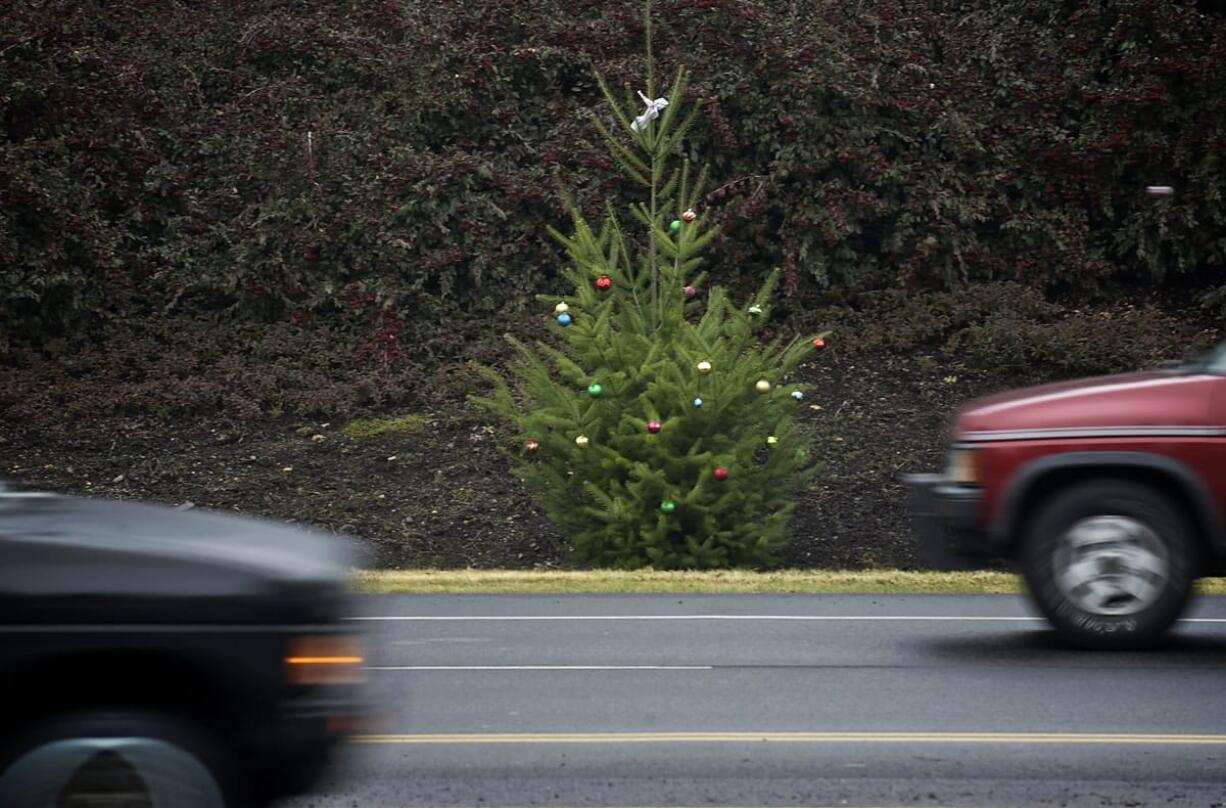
x=1007, y=524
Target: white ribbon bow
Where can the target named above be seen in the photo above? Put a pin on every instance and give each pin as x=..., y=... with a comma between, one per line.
x=651, y=113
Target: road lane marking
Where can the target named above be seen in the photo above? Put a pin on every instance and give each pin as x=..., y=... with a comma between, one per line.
x=1068, y=738
x=541, y=668
x=784, y=617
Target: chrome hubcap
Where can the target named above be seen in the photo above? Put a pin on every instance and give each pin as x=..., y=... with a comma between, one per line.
x=1111, y=565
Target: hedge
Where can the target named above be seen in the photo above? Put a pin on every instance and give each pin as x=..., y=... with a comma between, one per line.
x=393, y=163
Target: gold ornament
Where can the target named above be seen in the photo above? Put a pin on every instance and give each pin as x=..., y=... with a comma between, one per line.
x=561, y=308
x=704, y=368
x=689, y=216
x=581, y=441
x=763, y=386
x=772, y=441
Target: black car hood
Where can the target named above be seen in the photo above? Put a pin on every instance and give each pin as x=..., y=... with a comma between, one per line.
x=104, y=560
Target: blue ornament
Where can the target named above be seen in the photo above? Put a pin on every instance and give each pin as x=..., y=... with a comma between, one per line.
x=563, y=319
x=698, y=402
x=799, y=396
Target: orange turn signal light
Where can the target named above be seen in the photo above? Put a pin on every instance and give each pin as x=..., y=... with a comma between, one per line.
x=326, y=659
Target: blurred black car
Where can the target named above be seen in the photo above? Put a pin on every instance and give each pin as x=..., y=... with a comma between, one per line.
x=151, y=656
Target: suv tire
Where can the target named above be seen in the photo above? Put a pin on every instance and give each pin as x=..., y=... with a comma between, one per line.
x=1110, y=563
x=135, y=758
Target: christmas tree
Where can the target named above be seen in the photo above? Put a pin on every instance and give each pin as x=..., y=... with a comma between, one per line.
x=656, y=427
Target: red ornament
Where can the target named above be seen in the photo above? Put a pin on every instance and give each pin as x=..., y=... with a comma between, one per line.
x=603, y=283
x=720, y=473
x=532, y=446
x=819, y=343
x=653, y=427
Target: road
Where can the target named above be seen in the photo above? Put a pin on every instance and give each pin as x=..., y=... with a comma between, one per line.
x=777, y=700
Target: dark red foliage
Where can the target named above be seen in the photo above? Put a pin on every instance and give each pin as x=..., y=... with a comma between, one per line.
x=359, y=158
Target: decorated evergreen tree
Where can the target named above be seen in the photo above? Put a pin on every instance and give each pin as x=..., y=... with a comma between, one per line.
x=658, y=429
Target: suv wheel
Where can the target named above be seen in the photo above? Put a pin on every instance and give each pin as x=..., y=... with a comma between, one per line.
x=1110, y=563
x=126, y=759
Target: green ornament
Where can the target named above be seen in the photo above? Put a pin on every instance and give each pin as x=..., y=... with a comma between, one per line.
x=594, y=390
x=675, y=226
x=668, y=506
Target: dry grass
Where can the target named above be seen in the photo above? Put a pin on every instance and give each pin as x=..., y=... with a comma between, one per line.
x=603, y=581
x=884, y=582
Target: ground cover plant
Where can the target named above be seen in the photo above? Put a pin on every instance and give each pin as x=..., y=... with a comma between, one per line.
x=390, y=165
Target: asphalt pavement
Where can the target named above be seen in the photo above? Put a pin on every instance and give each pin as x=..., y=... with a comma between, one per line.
x=776, y=700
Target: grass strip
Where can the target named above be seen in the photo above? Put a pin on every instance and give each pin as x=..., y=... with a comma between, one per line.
x=881, y=582
x=427, y=581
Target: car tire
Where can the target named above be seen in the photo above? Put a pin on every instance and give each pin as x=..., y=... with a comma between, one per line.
x=126, y=758
x=1110, y=563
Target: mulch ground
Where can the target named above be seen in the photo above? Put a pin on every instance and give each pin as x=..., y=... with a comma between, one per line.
x=442, y=497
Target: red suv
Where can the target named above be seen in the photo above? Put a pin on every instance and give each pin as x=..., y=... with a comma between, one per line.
x=1109, y=493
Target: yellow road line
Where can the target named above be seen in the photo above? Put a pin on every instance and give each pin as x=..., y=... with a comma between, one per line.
x=800, y=737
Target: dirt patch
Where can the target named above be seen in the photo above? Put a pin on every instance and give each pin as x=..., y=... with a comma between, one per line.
x=443, y=497
x=438, y=498
x=881, y=417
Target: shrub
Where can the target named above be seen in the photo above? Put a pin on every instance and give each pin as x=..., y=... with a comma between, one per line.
x=392, y=161
x=1080, y=344
x=182, y=366
x=898, y=321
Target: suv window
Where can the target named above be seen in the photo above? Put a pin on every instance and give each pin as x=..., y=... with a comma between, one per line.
x=1215, y=361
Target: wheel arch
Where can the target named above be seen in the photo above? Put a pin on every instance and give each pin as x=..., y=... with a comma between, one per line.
x=168, y=683
x=1041, y=477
